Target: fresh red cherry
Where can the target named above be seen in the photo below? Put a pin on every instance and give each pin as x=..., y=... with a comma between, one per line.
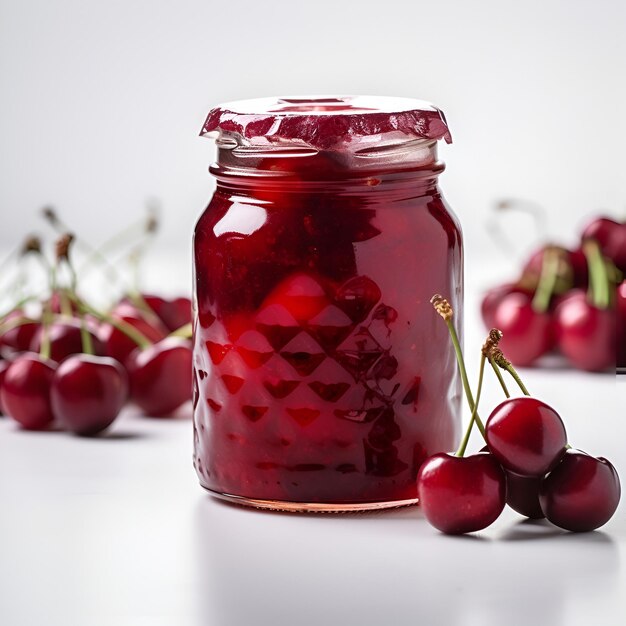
x=88, y=392
x=119, y=345
x=492, y=299
x=586, y=334
x=527, y=334
x=526, y=435
x=26, y=391
x=161, y=376
x=173, y=313
x=66, y=339
x=611, y=236
x=18, y=339
x=621, y=325
x=571, y=271
x=581, y=493
x=522, y=494
x=461, y=494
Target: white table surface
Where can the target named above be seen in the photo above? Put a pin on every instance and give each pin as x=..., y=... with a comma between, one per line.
x=116, y=531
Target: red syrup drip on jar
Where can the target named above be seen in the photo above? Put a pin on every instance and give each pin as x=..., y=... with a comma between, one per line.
x=322, y=376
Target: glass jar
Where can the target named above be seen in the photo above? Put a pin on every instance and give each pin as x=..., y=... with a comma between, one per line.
x=323, y=377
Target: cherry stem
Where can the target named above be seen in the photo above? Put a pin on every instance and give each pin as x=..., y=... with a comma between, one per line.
x=66, y=305
x=496, y=369
x=463, y=371
x=140, y=302
x=506, y=365
x=85, y=336
x=547, y=281
x=130, y=331
x=185, y=331
x=443, y=308
x=461, y=451
x=44, y=348
x=599, y=293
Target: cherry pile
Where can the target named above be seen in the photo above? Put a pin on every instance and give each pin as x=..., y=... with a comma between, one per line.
x=526, y=463
x=571, y=301
x=64, y=364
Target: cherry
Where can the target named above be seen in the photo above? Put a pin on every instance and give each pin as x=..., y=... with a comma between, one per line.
x=572, y=270
x=26, y=391
x=581, y=493
x=66, y=339
x=585, y=324
x=585, y=334
x=611, y=236
x=119, y=345
x=161, y=376
x=522, y=494
x=461, y=494
x=526, y=435
x=18, y=339
x=527, y=332
x=493, y=297
x=173, y=313
x=88, y=392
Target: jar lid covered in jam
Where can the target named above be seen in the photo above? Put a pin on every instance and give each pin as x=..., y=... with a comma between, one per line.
x=327, y=123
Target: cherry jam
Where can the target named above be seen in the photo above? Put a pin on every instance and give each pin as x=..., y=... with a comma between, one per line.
x=322, y=376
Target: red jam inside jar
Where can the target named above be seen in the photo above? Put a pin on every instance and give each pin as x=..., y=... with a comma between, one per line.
x=323, y=377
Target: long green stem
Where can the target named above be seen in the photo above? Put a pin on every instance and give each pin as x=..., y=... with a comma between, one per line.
x=599, y=293
x=518, y=380
x=46, y=317
x=461, y=451
x=66, y=305
x=130, y=331
x=463, y=372
x=511, y=370
x=85, y=336
x=500, y=378
x=136, y=297
x=547, y=280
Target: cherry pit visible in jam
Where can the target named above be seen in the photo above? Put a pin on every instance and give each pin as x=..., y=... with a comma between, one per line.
x=322, y=379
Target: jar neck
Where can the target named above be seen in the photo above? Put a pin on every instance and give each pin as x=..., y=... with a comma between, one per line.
x=408, y=164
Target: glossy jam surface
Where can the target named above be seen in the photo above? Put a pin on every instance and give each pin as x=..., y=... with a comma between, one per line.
x=321, y=372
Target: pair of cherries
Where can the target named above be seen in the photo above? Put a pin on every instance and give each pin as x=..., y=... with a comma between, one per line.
x=84, y=393
x=566, y=300
x=527, y=465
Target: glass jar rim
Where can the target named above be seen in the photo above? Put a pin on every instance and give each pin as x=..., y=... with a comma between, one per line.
x=325, y=122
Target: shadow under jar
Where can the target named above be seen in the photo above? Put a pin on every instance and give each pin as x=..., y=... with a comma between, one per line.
x=322, y=376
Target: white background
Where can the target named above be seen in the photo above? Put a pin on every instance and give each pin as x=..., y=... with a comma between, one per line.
x=100, y=108
x=101, y=102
